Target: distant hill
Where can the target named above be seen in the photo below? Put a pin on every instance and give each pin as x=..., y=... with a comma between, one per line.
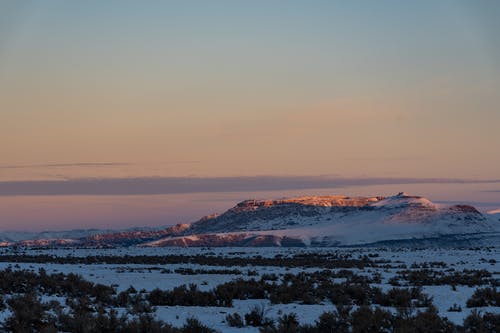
x=311, y=221
x=335, y=221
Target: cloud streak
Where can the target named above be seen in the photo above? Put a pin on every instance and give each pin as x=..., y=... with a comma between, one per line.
x=183, y=185
x=63, y=165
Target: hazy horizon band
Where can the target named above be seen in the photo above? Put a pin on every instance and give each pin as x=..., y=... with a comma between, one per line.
x=178, y=185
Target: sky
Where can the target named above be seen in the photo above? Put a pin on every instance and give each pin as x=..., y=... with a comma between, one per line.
x=122, y=113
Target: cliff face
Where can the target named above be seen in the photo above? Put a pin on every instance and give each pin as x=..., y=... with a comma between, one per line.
x=318, y=201
x=251, y=215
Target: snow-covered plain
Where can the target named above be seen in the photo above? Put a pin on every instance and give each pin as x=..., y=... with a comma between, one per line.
x=150, y=276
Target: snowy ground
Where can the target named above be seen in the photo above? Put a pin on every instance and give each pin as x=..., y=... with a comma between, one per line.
x=150, y=276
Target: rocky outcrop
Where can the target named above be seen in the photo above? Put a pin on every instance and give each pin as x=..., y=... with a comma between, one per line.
x=132, y=237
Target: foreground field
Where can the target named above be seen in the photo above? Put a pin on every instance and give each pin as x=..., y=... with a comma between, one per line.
x=251, y=289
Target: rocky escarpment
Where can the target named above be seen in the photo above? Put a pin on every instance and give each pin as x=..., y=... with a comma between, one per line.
x=132, y=237
x=331, y=220
x=251, y=215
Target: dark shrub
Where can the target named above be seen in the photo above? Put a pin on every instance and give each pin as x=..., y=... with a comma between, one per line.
x=193, y=325
x=256, y=317
x=28, y=315
x=455, y=308
x=364, y=319
x=334, y=322
x=484, y=297
x=288, y=323
x=235, y=320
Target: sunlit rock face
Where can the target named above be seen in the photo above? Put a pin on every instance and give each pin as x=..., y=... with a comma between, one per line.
x=322, y=201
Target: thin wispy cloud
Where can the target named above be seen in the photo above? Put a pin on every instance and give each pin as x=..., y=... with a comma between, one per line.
x=63, y=165
x=182, y=185
x=85, y=165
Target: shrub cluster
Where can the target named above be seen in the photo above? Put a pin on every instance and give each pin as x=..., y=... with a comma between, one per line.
x=91, y=305
x=190, y=271
x=71, y=285
x=187, y=296
x=366, y=319
x=331, y=260
x=29, y=315
x=305, y=288
x=429, y=277
x=484, y=297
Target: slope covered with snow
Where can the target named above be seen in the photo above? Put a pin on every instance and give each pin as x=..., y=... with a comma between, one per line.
x=16, y=236
x=332, y=220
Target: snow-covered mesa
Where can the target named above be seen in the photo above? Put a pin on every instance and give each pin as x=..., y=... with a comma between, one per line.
x=303, y=221
x=336, y=220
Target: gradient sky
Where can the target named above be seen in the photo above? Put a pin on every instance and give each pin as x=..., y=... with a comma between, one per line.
x=118, y=89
